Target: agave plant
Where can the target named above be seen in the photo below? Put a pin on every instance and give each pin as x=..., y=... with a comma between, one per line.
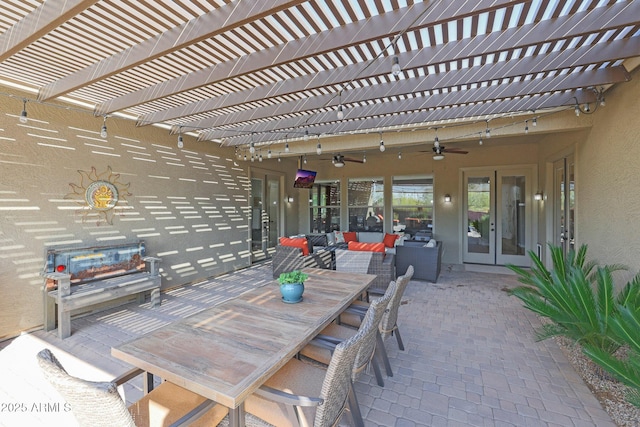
x=576, y=295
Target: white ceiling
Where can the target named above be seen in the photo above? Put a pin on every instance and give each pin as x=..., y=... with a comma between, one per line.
x=266, y=72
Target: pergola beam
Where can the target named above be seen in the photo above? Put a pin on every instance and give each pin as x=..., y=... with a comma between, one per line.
x=42, y=20
x=218, y=21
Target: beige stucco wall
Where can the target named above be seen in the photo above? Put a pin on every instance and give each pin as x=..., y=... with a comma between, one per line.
x=608, y=200
x=189, y=206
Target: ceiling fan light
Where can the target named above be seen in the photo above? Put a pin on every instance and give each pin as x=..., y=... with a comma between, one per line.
x=438, y=157
x=339, y=164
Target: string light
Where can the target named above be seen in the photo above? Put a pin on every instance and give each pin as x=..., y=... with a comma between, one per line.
x=534, y=123
x=268, y=153
x=286, y=147
x=340, y=112
x=23, y=114
x=318, y=149
x=526, y=126
x=487, y=133
x=364, y=158
x=252, y=148
x=103, y=130
x=395, y=67
x=399, y=155
x=306, y=135
x=305, y=159
x=382, y=147
x=180, y=140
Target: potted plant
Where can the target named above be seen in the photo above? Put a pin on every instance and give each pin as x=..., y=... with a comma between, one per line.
x=292, y=286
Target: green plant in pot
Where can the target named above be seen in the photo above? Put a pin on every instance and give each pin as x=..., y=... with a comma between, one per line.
x=292, y=285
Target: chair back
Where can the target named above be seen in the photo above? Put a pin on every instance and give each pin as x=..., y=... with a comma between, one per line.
x=376, y=310
x=337, y=381
x=93, y=404
x=390, y=316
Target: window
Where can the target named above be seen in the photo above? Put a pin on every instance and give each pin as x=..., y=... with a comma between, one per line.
x=325, y=207
x=366, y=204
x=412, y=202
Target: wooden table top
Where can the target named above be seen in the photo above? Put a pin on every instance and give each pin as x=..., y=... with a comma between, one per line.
x=226, y=352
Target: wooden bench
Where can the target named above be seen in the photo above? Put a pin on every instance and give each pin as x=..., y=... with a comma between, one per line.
x=81, y=277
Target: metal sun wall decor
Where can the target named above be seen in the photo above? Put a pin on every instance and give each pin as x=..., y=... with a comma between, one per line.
x=98, y=194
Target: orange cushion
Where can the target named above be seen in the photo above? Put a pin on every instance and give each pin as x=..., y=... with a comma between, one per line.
x=366, y=247
x=296, y=242
x=350, y=236
x=390, y=239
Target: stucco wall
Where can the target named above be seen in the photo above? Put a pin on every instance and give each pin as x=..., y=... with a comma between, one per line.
x=189, y=205
x=608, y=200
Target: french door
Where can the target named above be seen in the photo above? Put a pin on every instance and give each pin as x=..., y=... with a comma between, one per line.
x=498, y=210
x=265, y=215
x=564, y=203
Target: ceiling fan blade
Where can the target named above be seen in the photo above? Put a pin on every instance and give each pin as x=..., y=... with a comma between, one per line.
x=454, y=151
x=350, y=159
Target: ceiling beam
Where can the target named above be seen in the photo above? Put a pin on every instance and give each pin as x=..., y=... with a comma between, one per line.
x=376, y=28
x=42, y=20
x=452, y=100
x=530, y=66
x=224, y=18
x=618, y=15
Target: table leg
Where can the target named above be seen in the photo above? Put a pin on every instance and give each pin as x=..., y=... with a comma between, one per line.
x=236, y=416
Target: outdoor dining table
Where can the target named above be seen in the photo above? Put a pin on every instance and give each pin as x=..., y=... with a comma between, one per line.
x=228, y=351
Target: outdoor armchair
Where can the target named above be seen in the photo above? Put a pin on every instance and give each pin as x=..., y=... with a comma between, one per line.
x=378, y=263
x=96, y=404
x=288, y=258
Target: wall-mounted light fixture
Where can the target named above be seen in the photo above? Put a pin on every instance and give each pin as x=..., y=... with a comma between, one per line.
x=538, y=196
x=447, y=198
x=288, y=199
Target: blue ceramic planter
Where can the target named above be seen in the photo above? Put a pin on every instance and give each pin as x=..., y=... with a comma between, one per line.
x=292, y=292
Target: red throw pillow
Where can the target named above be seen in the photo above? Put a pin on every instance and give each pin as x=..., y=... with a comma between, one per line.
x=296, y=242
x=350, y=236
x=390, y=239
x=366, y=247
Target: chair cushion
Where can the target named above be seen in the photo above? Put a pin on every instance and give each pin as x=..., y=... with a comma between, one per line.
x=298, y=242
x=350, y=236
x=389, y=240
x=338, y=237
x=366, y=247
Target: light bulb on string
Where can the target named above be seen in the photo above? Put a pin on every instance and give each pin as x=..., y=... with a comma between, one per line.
x=340, y=112
x=268, y=153
x=534, y=123
x=286, y=147
x=382, y=147
x=252, y=148
x=318, y=149
x=526, y=126
x=103, y=130
x=23, y=114
x=395, y=67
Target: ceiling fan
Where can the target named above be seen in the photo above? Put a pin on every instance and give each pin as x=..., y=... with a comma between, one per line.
x=338, y=160
x=438, y=152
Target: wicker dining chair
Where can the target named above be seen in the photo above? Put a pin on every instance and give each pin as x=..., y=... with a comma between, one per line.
x=322, y=346
x=389, y=323
x=303, y=394
x=97, y=404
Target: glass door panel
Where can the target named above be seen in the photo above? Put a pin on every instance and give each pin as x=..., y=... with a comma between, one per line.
x=265, y=216
x=564, y=204
x=479, y=229
x=514, y=213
